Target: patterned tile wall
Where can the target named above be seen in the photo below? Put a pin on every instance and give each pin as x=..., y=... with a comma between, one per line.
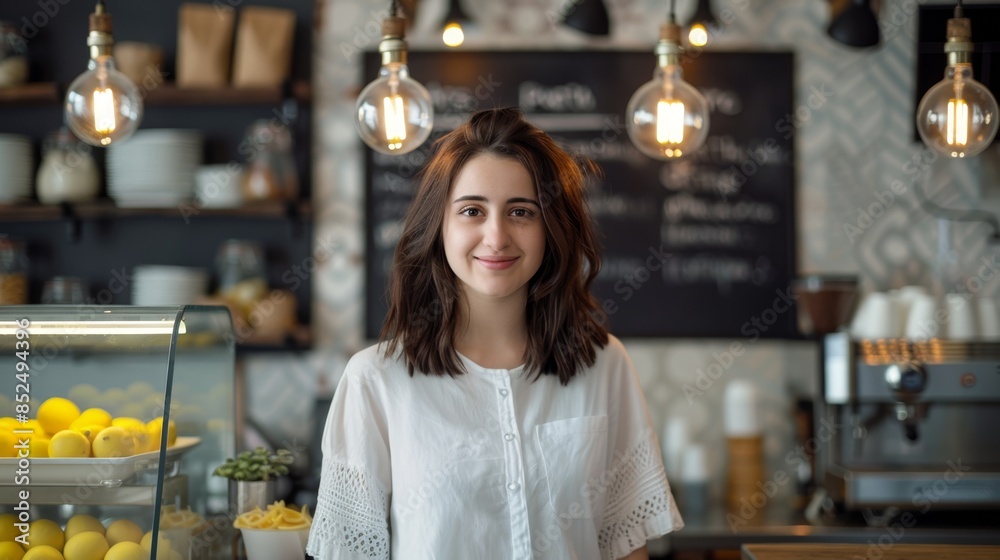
x=854, y=141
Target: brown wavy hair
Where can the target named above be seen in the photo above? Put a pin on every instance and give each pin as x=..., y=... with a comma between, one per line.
x=565, y=323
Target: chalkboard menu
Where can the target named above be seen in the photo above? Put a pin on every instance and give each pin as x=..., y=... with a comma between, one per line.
x=699, y=247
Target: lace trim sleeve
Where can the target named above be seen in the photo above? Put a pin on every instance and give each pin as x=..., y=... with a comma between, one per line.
x=640, y=506
x=351, y=519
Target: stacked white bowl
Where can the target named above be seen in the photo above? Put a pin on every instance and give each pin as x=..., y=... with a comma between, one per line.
x=155, y=285
x=17, y=168
x=155, y=168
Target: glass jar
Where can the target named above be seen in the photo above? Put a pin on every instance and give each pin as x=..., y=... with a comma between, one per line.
x=13, y=56
x=13, y=272
x=242, y=280
x=270, y=173
x=63, y=290
x=68, y=172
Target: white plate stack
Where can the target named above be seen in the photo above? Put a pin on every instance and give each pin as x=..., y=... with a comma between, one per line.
x=155, y=168
x=17, y=168
x=155, y=285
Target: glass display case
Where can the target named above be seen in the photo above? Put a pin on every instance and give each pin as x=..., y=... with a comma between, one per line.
x=113, y=419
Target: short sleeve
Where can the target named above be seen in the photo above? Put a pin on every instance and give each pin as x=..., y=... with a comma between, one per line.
x=351, y=518
x=640, y=506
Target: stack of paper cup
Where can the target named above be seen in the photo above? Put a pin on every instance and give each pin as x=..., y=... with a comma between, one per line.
x=745, y=445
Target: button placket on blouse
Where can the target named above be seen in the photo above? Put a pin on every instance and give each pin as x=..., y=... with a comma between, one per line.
x=520, y=530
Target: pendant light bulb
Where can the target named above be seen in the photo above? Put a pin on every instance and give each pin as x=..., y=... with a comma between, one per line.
x=958, y=116
x=667, y=118
x=394, y=112
x=701, y=21
x=453, y=34
x=102, y=105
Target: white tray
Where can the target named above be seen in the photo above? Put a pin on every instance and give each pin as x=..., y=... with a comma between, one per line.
x=91, y=471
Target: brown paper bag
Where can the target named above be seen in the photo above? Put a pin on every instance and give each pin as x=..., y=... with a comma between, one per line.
x=263, y=47
x=204, y=45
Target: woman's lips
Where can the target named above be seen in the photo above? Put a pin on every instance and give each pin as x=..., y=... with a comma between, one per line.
x=497, y=263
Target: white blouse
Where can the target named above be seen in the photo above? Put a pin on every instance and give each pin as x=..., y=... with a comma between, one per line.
x=489, y=465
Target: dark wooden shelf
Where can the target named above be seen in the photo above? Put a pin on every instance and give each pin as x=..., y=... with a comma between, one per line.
x=170, y=94
x=33, y=212
x=296, y=340
x=37, y=93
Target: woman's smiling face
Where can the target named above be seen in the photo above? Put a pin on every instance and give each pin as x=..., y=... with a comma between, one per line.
x=493, y=233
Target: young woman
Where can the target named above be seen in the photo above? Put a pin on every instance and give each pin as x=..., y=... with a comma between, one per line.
x=496, y=419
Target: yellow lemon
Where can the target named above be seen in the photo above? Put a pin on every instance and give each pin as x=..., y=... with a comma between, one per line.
x=123, y=530
x=45, y=532
x=10, y=550
x=127, y=551
x=93, y=416
x=43, y=553
x=7, y=441
x=128, y=423
x=35, y=427
x=8, y=423
x=155, y=429
x=90, y=431
x=68, y=443
x=38, y=446
x=88, y=545
x=81, y=523
x=7, y=529
x=114, y=442
x=163, y=549
x=57, y=413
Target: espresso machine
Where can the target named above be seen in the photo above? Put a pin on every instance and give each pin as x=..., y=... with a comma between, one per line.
x=907, y=424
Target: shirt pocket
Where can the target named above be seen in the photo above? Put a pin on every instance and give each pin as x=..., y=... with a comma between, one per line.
x=574, y=454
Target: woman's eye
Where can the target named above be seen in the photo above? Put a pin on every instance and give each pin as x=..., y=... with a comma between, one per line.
x=522, y=213
x=470, y=211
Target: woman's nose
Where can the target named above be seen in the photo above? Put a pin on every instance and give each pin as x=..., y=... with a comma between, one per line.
x=496, y=236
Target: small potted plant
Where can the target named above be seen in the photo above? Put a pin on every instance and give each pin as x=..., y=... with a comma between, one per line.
x=251, y=477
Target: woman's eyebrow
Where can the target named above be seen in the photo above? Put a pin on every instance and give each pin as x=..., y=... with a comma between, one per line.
x=480, y=198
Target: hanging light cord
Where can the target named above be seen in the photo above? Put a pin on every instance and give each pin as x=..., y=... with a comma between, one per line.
x=958, y=9
x=393, y=8
x=672, y=18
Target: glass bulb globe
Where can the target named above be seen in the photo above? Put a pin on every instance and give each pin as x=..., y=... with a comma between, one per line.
x=102, y=104
x=698, y=35
x=394, y=112
x=453, y=36
x=958, y=116
x=667, y=118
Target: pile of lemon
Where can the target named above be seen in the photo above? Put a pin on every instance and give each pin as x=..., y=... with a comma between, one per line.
x=62, y=430
x=85, y=538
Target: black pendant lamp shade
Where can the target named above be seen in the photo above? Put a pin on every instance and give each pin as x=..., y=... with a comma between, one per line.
x=588, y=16
x=455, y=14
x=703, y=14
x=855, y=25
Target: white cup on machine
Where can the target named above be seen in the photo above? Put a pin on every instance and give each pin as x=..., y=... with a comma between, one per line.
x=989, y=319
x=921, y=323
x=962, y=322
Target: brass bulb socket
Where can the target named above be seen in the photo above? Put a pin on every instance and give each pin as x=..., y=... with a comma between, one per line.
x=100, y=43
x=668, y=50
x=392, y=50
x=959, y=46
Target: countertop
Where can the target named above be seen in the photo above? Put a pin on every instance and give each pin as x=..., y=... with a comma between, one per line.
x=849, y=551
x=777, y=523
